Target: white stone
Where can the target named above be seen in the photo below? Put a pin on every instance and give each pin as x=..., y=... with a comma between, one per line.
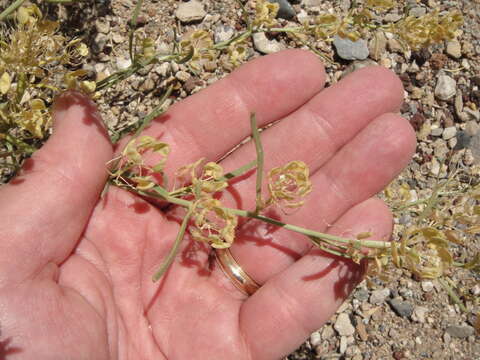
x=419, y=314
x=315, y=339
x=182, y=75
x=343, y=344
x=223, y=33
x=343, y=325
x=312, y=2
x=476, y=290
x=123, y=64
x=454, y=49
x=162, y=69
x=449, y=132
x=446, y=87
x=327, y=332
x=190, y=11
x=427, y=286
x=265, y=46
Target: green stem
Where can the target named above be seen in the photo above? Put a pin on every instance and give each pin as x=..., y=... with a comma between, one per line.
x=452, y=295
x=14, y=6
x=311, y=233
x=239, y=38
x=176, y=246
x=161, y=193
x=133, y=26
x=259, y=150
x=154, y=113
x=240, y=171
x=132, y=69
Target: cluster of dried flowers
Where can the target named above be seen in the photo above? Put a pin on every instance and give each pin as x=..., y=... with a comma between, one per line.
x=33, y=67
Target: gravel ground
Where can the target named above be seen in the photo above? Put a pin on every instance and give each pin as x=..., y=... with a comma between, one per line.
x=400, y=319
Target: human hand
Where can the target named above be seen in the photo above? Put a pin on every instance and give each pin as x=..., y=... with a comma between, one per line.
x=75, y=270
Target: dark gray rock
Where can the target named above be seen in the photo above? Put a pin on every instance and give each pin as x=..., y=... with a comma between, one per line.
x=401, y=308
x=351, y=50
x=285, y=10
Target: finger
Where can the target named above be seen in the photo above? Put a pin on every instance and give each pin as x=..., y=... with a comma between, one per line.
x=45, y=209
x=212, y=122
x=304, y=296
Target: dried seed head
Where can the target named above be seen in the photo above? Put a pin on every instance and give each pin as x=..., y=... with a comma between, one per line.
x=214, y=224
x=288, y=185
x=265, y=14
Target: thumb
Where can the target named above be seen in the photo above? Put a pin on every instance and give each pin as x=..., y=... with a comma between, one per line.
x=45, y=209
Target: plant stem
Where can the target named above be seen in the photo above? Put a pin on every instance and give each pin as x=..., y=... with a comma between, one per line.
x=240, y=171
x=133, y=26
x=163, y=194
x=154, y=113
x=452, y=295
x=259, y=150
x=239, y=38
x=14, y=6
x=176, y=246
x=132, y=69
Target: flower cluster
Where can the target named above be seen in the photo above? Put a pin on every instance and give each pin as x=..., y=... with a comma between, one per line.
x=29, y=53
x=131, y=163
x=209, y=179
x=265, y=14
x=419, y=32
x=199, y=44
x=289, y=184
x=214, y=224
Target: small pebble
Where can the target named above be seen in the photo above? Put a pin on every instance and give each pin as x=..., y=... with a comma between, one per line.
x=460, y=332
x=437, y=132
x=427, y=286
x=123, y=64
x=265, y=46
x=351, y=50
x=327, y=332
x=343, y=325
x=379, y=296
x=191, y=11
x=446, y=87
x=449, y=133
x=343, y=344
x=182, y=75
x=315, y=339
x=223, y=33
x=361, y=294
x=454, y=49
x=419, y=314
x=401, y=308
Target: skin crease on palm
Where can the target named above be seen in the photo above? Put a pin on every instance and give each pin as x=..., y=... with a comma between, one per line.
x=75, y=270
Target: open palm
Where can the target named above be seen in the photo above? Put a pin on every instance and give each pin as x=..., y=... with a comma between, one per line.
x=75, y=270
